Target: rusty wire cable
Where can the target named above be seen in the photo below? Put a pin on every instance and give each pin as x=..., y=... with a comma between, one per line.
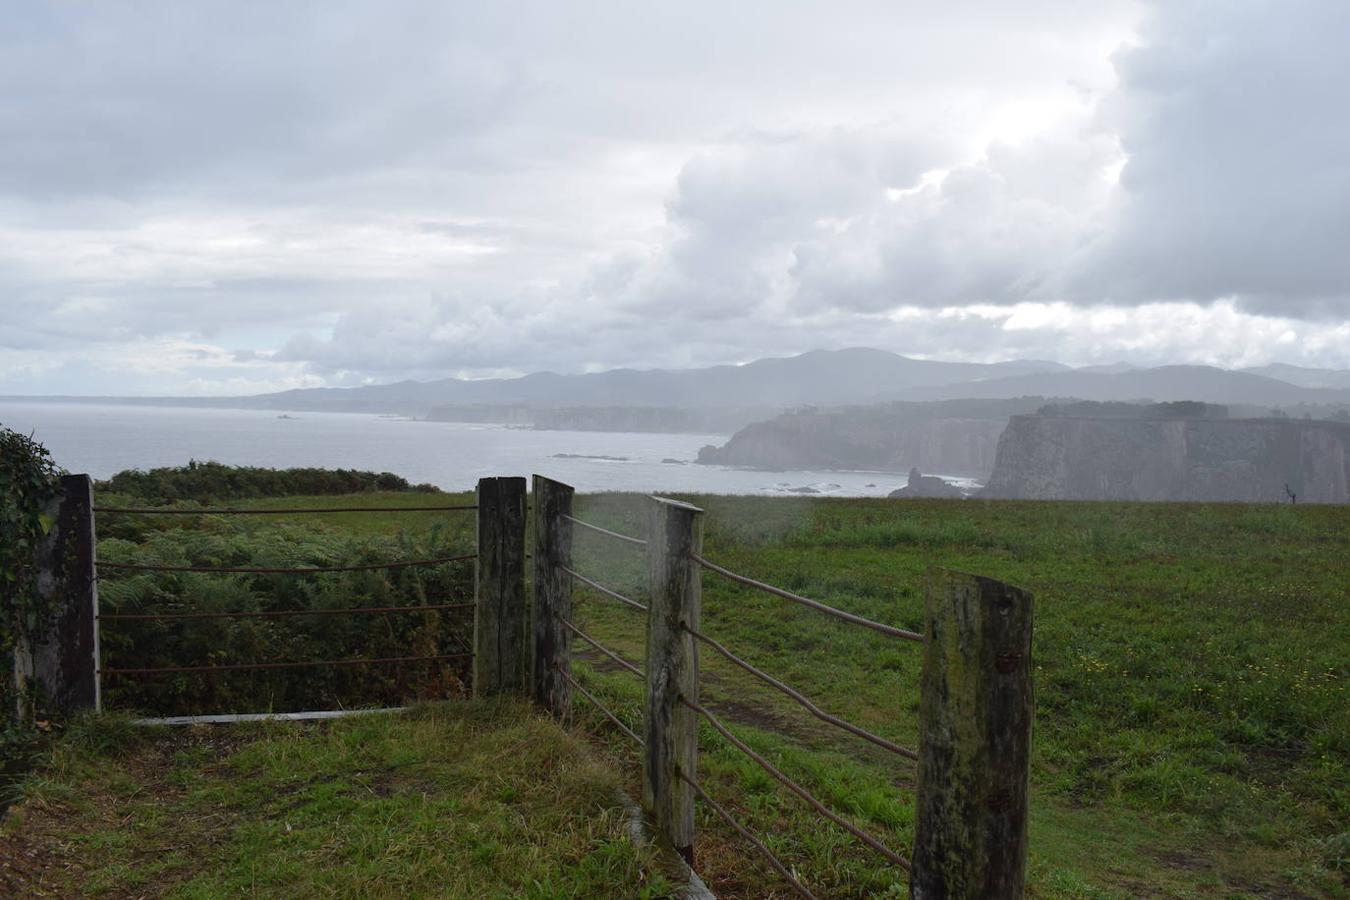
x=745, y=833
x=282, y=613
x=774, y=772
x=802, y=700
x=309, y=570
x=806, y=601
x=603, y=649
x=600, y=706
x=605, y=531
x=604, y=590
x=238, y=511
x=240, y=667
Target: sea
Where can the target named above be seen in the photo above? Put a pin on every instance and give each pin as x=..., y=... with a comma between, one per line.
x=102, y=439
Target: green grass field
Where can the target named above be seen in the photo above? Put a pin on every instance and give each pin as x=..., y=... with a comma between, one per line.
x=469, y=799
x=1192, y=734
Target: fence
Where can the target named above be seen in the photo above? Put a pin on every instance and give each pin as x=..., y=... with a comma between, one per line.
x=975, y=698
x=975, y=690
x=65, y=663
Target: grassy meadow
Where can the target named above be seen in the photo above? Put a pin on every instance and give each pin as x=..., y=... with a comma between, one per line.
x=1192, y=736
x=1193, y=724
x=359, y=807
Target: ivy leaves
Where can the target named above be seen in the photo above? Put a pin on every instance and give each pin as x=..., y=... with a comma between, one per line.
x=28, y=481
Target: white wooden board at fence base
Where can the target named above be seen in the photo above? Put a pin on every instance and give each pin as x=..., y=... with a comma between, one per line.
x=636, y=825
x=235, y=718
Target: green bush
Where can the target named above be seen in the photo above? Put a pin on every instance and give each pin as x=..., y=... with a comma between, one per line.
x=28, y=481
x=208, y=481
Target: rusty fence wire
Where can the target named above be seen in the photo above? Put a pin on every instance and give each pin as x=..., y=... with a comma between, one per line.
x=866, y=838
x=279, y=570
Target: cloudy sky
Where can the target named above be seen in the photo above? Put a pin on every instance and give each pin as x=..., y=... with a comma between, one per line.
x=208, y=198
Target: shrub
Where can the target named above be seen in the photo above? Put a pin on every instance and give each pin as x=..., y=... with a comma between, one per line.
x=208, y=481
x=28, y=482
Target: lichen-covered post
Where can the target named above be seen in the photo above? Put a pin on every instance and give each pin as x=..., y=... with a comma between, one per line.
x=552, y=596
x=975, y=714
x=62, y=658
x=671, y=728
x=501, y=620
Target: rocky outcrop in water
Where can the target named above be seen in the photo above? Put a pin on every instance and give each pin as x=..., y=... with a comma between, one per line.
x=922, y=486
x=1059, y=457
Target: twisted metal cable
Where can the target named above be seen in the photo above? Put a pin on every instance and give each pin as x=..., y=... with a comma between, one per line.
x=604, y=590
x=603, y=649
x=238, y=511
x=308, y=570
x=802, y=700
x=605, y=531
x=743, y=832
x=600, y=706
x=806, y=601
x=774, y=772
x=278, y=614
x=241, y=667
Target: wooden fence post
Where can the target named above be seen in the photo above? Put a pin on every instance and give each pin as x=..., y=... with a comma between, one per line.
x=975, y=714
x=62, y=656
x=671, y=728
x=552, y=596
x=500, y=620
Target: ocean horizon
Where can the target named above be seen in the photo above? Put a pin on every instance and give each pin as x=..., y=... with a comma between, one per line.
x=103, y=439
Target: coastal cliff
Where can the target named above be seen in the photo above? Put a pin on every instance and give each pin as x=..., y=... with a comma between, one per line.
x=952, y=437
x=1055, y=457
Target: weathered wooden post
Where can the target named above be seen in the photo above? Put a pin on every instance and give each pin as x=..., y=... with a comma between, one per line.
x=975, y=714
x=61, y=657
x=552, y=596
x=500, y=620
x=671, y=728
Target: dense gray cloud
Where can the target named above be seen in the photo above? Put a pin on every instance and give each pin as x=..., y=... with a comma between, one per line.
x=1232, y=184
x=221, y=197
x=121, y=99
x=1237, y=183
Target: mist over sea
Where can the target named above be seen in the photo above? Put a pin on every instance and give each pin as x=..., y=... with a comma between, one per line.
x=103, y=439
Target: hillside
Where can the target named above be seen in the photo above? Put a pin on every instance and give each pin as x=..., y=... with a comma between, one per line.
x=819, y=377
x=667, y=420
x=724, y=398
x=1304, y=376
x=1192, y=741
x=1164, y=383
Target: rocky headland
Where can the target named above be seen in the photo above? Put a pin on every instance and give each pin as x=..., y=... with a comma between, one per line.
x=955, y=437
x=1172, y=457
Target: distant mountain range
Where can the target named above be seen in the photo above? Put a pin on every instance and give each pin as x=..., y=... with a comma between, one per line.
x=821, y=377
x=818, y=378
x=1304, y=377
x=1205, y=383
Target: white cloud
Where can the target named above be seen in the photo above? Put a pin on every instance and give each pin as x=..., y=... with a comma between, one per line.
x=141, y=366
x=1236, y=183
x=333, y=193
